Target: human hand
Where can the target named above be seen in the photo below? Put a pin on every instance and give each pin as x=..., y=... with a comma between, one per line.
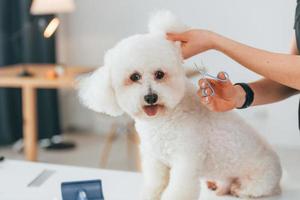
x=227, y=96
x=193, y=41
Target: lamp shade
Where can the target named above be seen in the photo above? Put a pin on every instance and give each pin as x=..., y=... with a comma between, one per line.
x=43, y=7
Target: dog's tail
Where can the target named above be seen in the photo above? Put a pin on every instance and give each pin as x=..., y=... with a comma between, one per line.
x=164, y=21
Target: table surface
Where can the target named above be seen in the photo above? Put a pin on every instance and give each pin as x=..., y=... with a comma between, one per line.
x=43, y=77
x=117, y=185
x=16, y=175
x=9, y=76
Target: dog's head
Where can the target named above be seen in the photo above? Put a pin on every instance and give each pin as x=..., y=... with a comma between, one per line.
x=142, y=75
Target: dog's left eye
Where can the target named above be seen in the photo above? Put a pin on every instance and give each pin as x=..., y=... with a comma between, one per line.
x=159, y=75
x=135, y=77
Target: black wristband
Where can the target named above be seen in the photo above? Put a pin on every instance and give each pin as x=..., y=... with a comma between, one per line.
x=249, y=95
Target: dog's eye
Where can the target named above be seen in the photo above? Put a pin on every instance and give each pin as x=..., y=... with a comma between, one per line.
x=159, y=75
x=135, y=77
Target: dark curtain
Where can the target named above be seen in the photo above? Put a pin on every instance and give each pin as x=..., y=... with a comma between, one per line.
x=22, y=41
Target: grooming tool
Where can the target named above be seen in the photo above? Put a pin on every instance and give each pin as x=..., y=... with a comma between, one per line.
x=204, y=75
x=41, y=178
x=82, y=190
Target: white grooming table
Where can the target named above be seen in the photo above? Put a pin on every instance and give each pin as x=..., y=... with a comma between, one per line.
x=117, y=185
x=16, y=175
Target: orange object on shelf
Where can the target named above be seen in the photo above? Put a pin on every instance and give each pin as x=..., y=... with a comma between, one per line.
x=51, y=74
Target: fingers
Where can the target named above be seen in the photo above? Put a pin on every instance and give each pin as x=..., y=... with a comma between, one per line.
x=206, y=100
x=224, y=76
x=176, y=37
x=217, y=83
x=203, y=83
x=210, y=103
x=216, y=94
x=221, y=75
x=183, y=40
x=205, y=92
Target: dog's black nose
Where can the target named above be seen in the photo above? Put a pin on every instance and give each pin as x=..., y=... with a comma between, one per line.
x=151, y=98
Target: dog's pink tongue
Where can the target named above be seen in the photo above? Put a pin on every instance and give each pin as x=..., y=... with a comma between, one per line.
x=151, y=110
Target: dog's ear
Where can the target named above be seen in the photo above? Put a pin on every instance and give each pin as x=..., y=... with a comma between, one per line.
x=96, y=92
x=165, y=22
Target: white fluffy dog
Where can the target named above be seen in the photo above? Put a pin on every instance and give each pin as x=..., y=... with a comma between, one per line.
x=181, y=140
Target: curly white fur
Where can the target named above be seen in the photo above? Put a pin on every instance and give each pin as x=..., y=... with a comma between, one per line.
x=165, y=21
x=183, y=140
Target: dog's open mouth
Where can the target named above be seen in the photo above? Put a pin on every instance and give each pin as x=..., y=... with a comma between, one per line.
x=151, y=110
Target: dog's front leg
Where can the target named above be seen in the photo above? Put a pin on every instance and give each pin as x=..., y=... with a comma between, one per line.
x=156, y=177
x=184, y=183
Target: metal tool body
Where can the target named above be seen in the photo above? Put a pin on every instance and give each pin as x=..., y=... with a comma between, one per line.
x=204, y=76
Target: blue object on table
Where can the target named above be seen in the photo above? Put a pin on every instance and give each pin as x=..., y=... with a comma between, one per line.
x=82, y=190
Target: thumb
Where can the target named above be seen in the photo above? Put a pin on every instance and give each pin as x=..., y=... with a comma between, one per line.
x=176, y=37
x=227, y=86
x=221, y=75
x=224, y=76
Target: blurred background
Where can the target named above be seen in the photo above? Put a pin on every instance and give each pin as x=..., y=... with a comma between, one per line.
x=71, y=134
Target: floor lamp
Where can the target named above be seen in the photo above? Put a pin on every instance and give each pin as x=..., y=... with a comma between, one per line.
x=47, y=7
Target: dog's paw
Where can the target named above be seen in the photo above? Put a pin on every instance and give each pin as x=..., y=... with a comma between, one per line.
x=212, y=185
x=220, y=187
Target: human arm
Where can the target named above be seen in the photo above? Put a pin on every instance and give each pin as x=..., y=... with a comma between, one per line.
x=281, y=68
x=268, y=91
x=229, y=96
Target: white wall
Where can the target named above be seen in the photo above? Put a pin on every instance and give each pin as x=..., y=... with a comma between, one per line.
x=97, y=25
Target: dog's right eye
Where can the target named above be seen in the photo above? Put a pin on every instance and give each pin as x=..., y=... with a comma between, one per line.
x=135, y=77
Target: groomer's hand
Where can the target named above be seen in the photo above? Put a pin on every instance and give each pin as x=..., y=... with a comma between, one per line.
x=227, y=96
x=193, y=41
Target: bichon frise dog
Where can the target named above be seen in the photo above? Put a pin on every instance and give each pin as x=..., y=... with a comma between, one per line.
x=181, y=140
